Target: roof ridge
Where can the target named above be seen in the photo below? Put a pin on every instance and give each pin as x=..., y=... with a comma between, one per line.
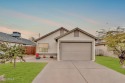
x=51, y=33
x=4, y=37
x=76, y=29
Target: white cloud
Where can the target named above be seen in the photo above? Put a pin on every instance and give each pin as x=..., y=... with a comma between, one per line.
x=24, y=16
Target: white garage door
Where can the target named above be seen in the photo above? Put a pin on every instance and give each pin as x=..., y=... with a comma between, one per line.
x=76, y=51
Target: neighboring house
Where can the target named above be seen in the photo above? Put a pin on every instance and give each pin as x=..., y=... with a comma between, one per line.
x=4, y=37
x=76, y=44
x=102, y=49
x=15, y=38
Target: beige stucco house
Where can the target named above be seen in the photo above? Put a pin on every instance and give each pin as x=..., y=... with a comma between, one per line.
x=76, y=44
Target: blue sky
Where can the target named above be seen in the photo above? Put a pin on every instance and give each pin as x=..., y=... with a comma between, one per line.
x=42, y=16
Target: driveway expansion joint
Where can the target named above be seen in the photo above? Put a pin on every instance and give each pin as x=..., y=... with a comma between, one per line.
x=80, y=72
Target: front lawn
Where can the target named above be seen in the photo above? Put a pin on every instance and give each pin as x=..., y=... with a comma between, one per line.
x=23, y=73
x=110, y=62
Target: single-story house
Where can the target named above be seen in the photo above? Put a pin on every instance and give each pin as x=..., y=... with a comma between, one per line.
x=76, y=44
x=15, y=38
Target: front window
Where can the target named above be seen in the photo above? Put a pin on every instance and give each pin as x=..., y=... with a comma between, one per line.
x=43, y=47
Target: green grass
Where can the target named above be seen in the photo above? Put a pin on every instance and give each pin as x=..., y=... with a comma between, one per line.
x=23, y=73
x=110, y=62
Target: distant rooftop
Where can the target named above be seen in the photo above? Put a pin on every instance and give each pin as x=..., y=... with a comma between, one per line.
x=4, y=37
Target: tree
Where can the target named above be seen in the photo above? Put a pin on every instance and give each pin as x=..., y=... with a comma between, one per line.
x=116, y=43
x=11, y=52
x=32, y=39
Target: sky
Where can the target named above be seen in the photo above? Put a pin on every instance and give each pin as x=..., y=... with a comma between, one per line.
x=32, y=17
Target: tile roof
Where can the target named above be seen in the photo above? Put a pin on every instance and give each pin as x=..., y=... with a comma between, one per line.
x=4, y=37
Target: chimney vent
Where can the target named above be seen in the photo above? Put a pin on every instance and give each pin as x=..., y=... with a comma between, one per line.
x=16, y=34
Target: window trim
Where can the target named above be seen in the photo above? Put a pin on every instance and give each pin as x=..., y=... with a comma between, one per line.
x=42, y=48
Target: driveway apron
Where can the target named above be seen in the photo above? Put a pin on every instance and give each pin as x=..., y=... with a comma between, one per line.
x=77, y=72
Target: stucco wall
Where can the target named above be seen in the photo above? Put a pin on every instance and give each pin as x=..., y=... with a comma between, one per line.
x=81, y=37
x=51, y=41
x=104, y=50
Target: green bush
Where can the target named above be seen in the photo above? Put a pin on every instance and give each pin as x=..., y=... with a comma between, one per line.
x=99, y=55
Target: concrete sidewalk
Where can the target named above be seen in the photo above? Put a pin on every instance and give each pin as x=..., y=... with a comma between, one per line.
x=78, y=72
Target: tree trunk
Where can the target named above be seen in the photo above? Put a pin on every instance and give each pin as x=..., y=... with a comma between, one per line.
x=11, y=60
x=14, y=62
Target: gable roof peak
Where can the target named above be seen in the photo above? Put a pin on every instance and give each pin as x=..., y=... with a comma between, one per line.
x=61, y=27
x=51, y=33
x=77, y=28
x=64, y=29
x=74, y=30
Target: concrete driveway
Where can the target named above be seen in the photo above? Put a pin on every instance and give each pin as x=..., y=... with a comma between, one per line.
x=78, y=72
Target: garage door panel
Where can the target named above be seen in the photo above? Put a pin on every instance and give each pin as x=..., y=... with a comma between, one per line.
x=75, y=46
x=76, y=51
x=74, y=56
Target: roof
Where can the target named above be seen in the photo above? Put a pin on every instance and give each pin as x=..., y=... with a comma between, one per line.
x=8, y=38
x=51, y=33
x=26, y=41
x=74, y=30
x=4, y=37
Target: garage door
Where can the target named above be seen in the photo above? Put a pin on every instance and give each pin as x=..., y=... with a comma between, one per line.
x=76, y=51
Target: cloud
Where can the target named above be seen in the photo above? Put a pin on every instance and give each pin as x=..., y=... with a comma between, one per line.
x=89, y=20
x=29, y=17
x=24, y=33
x=84, y=18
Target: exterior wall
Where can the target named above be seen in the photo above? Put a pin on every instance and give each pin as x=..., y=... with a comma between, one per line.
x=51, y=41
x=103, y=49
x=64, y=32
x=82, y=38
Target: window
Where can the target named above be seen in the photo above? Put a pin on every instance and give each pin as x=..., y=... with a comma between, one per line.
x=43, y=47
x=61, y=32
x=76, y=33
